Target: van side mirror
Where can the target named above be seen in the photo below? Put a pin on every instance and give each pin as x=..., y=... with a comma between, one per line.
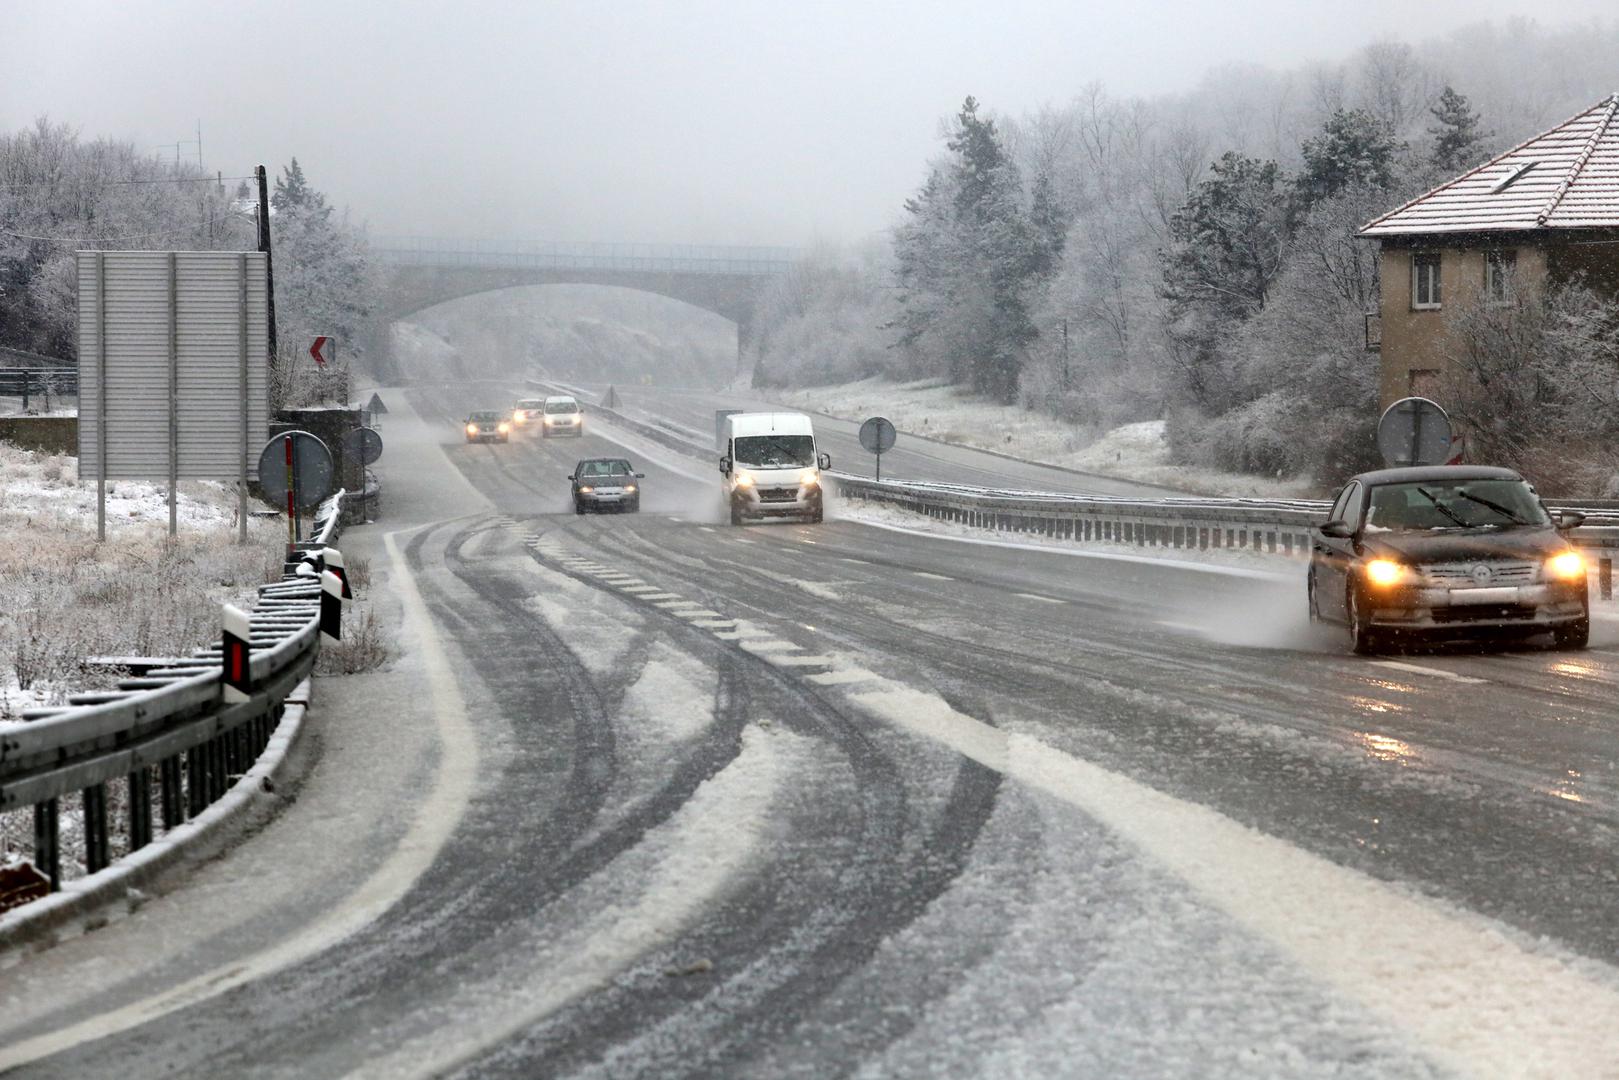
x=640, y=476
x=570, y=476
x=725, y=466
x=824, y=461
x=1337, y=530
x=1568, y=519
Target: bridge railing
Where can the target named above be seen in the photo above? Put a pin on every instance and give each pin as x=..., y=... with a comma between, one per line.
x=639, y=258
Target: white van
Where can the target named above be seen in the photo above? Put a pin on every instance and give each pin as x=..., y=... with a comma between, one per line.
x=770, y=467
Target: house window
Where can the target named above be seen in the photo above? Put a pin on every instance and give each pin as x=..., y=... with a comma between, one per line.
x=1499, y=268
x=1425, y=280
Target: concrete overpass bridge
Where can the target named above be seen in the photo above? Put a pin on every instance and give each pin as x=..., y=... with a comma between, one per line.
x=419, y=272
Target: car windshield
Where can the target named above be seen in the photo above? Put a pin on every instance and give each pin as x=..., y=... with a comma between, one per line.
x=530, y=404
x=603, y=468
x=561, y=406
x=1453, y=504
x=775, y=451
x=482, y=416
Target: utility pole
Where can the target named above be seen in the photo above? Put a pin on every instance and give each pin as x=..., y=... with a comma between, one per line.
x=264, y=246
x=1065, y=354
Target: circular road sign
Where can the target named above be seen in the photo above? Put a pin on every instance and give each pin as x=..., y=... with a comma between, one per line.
x=363, y=443
x=1414, y=431
x=877, y=435
x=313, y=470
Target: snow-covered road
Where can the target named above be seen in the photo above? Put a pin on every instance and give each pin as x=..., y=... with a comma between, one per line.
x=839, y=800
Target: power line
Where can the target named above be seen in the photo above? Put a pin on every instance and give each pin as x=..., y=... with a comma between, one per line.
x=100, y=239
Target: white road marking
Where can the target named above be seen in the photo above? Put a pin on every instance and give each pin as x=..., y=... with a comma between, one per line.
x=931, y=576
x=767, y=645
x=656, y=595
x=843, y=676
x=714, y=624
x=1042, y=599
x=861, y=562
x=436, y=817
x=708, y=617
x=739, y=540
x=1468, y=991
x=799, y=661
x=1438, y=673
x=705, y=528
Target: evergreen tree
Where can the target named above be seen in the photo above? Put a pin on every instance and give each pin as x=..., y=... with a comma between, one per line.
x=1456, y=135
x=1354, y=148
x=293, y=193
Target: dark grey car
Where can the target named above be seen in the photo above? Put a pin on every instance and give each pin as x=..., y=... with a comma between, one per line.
x=1443, y=552
x=605, y=484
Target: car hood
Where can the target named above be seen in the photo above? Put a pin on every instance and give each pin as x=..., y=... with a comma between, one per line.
x=1461, y=545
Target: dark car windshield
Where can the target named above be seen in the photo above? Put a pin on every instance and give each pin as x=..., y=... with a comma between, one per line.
x=603, y=468
x=484, y=416
x=561, y=406
x=775, y=451
x=1453, y=504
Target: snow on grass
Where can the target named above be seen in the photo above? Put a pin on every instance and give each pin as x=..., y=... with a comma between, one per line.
x=64, y=597
x=1136, y=451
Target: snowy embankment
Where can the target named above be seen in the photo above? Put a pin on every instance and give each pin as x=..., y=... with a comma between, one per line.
x=1137, y=451
x=64, y=597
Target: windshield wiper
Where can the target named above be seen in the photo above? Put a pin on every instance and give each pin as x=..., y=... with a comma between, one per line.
x=1437, y=505
x=1497, y=507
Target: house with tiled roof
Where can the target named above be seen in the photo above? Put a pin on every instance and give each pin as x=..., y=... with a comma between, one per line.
x=1546, y=211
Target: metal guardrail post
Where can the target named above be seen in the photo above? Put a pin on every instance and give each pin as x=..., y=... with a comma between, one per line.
x=96, y=853
x=47, y=840
x=140, y=808
x=1605, y=578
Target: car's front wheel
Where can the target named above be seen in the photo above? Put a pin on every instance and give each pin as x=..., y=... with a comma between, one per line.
x=1362, y=640
x=1575, y=635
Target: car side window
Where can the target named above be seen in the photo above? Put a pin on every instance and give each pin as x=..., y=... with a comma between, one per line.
x=1355, y=504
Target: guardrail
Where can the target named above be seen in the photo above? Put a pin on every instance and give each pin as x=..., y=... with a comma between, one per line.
x=171, y=718
x=1268, y=526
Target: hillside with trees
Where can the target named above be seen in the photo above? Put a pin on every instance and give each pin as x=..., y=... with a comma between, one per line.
x=1189, y=257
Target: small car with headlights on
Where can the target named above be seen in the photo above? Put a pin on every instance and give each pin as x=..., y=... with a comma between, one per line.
x=527, y=413
x=606, y=484
x=562, y=416
x=486, y=425
x=1444, y=552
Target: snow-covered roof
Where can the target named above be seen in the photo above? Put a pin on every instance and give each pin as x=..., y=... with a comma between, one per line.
x=1565, y=178
x=777, y=423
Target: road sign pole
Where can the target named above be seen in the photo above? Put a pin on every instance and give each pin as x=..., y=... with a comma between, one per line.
x=292, y=480
x=241, y=386
x=101, y=396
x=174, y=391
x=879, y=464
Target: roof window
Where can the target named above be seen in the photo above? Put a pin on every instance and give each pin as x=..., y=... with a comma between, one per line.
x=1512, y=177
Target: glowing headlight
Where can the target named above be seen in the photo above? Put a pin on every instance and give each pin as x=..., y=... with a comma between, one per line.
x=1567, y=566
x=1385, y=572
x=548, y=420
x=744, y=479
x=808, y=478
x=472, y=429
x=517, y=417
x=629, y=487
x=586, y=490
x=504, y=428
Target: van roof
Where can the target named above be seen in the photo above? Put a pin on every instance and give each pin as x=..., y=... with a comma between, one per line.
x=559, y=397
x=770, y=423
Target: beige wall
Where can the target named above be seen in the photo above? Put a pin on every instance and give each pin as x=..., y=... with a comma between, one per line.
x=1418, y=355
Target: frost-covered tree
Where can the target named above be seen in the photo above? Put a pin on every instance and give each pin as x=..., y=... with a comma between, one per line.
x=1458, y=137
x=1354, y=148
x=324, y=284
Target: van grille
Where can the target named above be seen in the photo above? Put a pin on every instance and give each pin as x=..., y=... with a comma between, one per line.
x=777, y=494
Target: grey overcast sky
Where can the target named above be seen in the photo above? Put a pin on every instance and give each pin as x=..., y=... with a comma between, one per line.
x=725, y=121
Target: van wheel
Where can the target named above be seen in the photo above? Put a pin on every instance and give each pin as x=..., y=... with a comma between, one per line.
x=817, y=515
x=736, y=514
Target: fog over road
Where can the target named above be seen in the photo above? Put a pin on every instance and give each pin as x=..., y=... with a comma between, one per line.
x=795, y=800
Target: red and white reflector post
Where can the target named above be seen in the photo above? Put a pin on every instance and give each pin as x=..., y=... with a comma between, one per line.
x=237, y=659
x=332, y=560
x=331, y=606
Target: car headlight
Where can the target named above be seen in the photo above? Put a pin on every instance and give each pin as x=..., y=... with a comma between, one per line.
x=517, y=418
x=808, y=478
x=504, y=428
x=629, y=487
x=1385, y=572
x=548, y=420
x=1566, y=566
x=744, y=479
x=472, y=429
x=586, y=490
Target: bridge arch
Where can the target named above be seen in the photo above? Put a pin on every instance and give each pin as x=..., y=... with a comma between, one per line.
x=418, y=273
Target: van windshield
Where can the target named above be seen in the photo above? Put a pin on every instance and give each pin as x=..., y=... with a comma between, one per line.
x=775, y=451
x=561, y=406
